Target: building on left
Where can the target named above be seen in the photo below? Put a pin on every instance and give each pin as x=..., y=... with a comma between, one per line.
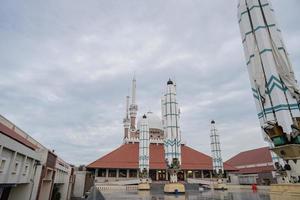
x=29, y=170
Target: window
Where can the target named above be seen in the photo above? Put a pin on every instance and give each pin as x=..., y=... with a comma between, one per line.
x=2, y=166
x=16, y=168
x=132, y=173
x=112, y=173
x=122, y=173
x=101, y=172
x=189, y=174
x=26, y=169
x=197, y=174
x=206, y=174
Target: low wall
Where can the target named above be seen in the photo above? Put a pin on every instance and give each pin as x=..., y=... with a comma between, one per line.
x=259, y=187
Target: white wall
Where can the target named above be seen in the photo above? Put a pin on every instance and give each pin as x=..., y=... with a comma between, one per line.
x=80, y=177
x=234, y=179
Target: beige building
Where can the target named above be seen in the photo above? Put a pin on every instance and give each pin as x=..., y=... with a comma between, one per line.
x=28, y=170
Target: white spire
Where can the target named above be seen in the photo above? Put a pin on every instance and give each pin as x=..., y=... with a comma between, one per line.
x=172, y=141
x=127, y=107
x=144, y=146
x=126, y=120
x=133, y=90
x=133, y=107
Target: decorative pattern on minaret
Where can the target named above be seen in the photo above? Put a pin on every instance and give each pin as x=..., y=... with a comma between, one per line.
x=170, y=111
x=216, y=150
x=144, y=145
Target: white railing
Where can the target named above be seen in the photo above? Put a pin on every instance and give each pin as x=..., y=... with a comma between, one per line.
x=119, y=182
x=116, y=187
x=202, y=181
x=131, y=140
x=136, y=140
x=157, y=140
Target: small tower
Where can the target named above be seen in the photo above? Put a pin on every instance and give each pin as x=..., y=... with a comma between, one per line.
x=172, y=139
x=126, y=120
x=216, y=150
x=170, y=111
x=133, y=107
x=144, y=147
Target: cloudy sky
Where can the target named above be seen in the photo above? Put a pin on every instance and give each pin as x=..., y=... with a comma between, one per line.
x=66, y=67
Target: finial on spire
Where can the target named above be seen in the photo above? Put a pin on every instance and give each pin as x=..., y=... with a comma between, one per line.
x=170, y=82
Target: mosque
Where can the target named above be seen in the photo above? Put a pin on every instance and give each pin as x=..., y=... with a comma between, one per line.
x=123, y=162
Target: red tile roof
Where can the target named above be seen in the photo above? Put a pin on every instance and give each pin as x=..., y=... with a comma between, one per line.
x=15, y=136
x=255, y=156
x=251, y=158
x=126, y=156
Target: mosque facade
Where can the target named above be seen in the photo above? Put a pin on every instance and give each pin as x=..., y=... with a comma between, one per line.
x=123, y=162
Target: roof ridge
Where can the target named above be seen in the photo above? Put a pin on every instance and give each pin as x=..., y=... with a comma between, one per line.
x=11, y=133
x=255, y=149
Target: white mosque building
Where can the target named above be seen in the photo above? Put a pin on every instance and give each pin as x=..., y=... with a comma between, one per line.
x=123, y=162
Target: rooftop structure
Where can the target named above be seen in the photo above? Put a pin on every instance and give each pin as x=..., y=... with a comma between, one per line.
x=254, y=166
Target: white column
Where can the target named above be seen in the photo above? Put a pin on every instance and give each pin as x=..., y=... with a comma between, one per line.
x=144, y=145
x=217, y=161
x=172, y=140
x=271, y=75
x=106, y=174
x=1, y=148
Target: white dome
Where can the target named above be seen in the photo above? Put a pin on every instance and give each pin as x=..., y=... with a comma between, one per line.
x=153, y=120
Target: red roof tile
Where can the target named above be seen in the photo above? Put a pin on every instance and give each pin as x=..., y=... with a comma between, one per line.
x=251, y=158
x=126, y=156
x=15, y=136
x=255, y=156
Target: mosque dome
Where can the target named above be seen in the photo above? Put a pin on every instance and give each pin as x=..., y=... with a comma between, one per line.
x=154, y=121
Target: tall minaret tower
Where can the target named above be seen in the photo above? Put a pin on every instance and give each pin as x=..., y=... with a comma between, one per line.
x=133, y=107
x=126, y=120
x=144, y=147
x=273, y=83
x=170, y=110
x=216, y=150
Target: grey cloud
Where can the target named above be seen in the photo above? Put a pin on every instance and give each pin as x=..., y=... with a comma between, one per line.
x=66, y=67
